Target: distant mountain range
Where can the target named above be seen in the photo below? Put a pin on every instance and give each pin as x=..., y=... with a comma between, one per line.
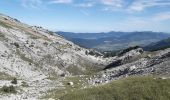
x=113, y=41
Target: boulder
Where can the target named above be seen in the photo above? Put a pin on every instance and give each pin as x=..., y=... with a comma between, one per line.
x=70, y=83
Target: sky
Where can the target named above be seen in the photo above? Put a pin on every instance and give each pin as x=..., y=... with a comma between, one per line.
x=91, y=15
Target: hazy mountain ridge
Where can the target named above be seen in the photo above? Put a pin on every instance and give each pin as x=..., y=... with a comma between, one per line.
x=114, y=41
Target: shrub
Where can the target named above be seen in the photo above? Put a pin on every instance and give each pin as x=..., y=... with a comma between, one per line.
x=31, y=45
x=16, y=20
x=62, y=75
x=24, y=84
x=91, y=53
x=14, y=81
x=45, y=43
x=5, y=19
x=51, y=33
x=16, y=44
x=8, y=89
x=86, y=53
x=2, y=35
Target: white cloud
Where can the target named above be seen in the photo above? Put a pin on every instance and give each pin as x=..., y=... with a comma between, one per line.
x=162, y=16
x=32, y=3
x=104, y=5
x=85, y=5
x=132, y=23
x=150, y=20
x=61, y=1
x=140, y=5
x=153, y=22
x=113, y=3
x=42, y=3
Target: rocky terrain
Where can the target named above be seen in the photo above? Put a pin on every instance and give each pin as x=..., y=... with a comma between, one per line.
x=34, y=55
x=36, y=63
x=135, y=63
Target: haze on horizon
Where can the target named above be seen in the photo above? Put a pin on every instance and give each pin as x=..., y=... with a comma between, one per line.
x=91, y=15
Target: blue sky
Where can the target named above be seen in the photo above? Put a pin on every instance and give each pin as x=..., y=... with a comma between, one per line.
x=91, y=15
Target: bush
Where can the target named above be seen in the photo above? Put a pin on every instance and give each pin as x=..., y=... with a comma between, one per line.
x=8, y=89
x=2, y=35
x=24, y=84
x=14, y=81
x=51, y=33
x=45, y=43
x=16, y=44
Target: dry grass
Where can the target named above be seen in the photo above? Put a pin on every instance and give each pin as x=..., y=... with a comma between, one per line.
x=134, y=88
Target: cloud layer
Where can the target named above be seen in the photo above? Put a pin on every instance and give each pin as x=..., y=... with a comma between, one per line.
x=61, y=1
x=140, y=5
x=31, y=3
x=126, y=5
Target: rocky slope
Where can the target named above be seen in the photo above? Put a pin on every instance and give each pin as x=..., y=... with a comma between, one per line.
x=34, y=55
x=139, y=63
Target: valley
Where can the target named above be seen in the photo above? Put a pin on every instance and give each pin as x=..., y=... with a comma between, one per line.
x=114, y=41
x=36, y=63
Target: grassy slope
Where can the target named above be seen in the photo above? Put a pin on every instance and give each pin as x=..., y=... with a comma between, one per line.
x=134, y=88
x=78, y=81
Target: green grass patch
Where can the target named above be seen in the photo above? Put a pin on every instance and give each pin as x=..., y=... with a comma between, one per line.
x=64, y=46
x=134, y=88
x=2, y=35
x=8, y=89
x=4, y=76
x=74, y=70
x=4, y=25
x=79, y=82
x=87, y=69
x=23, y=57
x=34, y=37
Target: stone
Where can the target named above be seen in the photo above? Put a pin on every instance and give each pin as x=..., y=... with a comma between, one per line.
x=132, y=68
x=51, y=99
x=70, y=83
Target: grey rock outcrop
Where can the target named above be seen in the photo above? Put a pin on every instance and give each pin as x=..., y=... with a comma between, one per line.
x=159, y=64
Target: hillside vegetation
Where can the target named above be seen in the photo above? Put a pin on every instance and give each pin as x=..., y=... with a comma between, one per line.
x=133, y=88
x=163, y=44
